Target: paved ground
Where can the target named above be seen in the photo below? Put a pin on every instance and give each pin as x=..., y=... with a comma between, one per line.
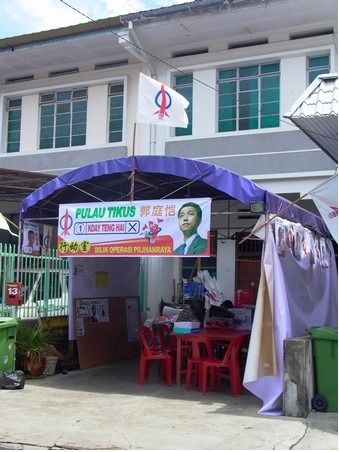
x=104, y=409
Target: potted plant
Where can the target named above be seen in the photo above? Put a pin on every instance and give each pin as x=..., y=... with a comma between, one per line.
x=31, y=345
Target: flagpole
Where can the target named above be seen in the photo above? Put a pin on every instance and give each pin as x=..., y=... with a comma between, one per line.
x=131, y=193
x=283, y=210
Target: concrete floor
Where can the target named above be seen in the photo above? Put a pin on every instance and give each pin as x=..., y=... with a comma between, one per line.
x=104, y=408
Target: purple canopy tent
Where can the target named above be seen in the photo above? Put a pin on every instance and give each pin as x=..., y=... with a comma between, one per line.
x=157, y=177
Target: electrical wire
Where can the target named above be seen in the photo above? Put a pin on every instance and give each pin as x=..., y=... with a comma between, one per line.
x=186, y=74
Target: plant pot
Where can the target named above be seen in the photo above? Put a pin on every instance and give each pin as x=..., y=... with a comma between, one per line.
x=34, y=365
x=51, y=362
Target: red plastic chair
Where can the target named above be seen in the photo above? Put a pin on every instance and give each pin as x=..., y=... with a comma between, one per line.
x=199, y=350
x=167, y=342
x=150, y=351
x=227, y=367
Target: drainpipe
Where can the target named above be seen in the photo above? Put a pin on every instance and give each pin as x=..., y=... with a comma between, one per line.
x=130, y=42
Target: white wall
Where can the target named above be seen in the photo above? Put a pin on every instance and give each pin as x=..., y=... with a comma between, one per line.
x=29, y=139
x=204, y=102
x=123, y=280
x=226, y=268
x=291, y=68
x=123, y=276
x=97, y=111
x=159, y=273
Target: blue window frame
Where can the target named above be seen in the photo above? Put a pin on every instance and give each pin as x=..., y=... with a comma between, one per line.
x=13, y=125
x=249, y=97
x=63, y=117
x=184, y=86
x=116, y=111
x=316, y=66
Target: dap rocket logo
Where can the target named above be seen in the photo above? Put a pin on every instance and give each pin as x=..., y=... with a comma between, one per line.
x=163, y=101
x=333, y=213
x=66, y=222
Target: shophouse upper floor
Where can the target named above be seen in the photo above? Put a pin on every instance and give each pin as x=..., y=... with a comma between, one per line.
x=68, y=96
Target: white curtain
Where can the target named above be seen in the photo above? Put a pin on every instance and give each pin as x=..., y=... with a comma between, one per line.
x=298, y=289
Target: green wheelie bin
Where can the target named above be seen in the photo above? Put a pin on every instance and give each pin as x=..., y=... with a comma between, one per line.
x=325, y=351
x=8, y=328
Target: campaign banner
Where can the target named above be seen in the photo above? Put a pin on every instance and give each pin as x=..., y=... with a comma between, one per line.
x=31, y=238
x=165, y=227
x=46, y=239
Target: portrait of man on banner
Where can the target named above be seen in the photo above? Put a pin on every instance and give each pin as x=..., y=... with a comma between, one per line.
x=190, y=218
x=31, y=239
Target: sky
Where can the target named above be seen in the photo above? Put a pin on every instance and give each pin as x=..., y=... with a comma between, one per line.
x=19, y=17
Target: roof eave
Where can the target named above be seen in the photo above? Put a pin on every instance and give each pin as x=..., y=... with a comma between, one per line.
x=63, y=32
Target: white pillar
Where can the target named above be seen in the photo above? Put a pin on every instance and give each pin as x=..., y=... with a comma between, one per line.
x=226, y=268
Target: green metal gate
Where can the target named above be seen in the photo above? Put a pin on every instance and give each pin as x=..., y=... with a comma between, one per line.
x=44, y=280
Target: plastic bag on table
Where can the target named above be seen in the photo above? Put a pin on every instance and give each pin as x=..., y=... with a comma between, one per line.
x=12, y=380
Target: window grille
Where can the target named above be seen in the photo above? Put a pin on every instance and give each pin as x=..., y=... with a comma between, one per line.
x=63, y=117
x=249, y=97
x=184, y=86
x=316, y=66
x=14, y=125
x=116, y=111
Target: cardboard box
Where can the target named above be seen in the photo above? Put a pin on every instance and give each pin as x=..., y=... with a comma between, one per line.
x=242, y=318
x=186, y=327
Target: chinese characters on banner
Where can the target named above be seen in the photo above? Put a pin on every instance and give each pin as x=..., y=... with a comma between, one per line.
x=135, y=228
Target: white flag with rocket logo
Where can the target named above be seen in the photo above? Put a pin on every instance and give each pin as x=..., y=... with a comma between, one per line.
x=159, y=104
x=325, y=198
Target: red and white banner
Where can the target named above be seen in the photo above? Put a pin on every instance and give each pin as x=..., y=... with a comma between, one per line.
x=159, y=104
x=325, y=198
x=46, y=239
x=165, y=227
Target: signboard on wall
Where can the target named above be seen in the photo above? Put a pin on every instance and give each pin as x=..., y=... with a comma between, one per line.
x=165, y=227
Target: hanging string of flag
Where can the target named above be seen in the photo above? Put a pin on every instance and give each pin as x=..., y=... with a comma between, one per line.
x=325, y=197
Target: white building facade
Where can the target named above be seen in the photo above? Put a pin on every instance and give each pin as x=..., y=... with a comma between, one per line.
x=68, y=98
